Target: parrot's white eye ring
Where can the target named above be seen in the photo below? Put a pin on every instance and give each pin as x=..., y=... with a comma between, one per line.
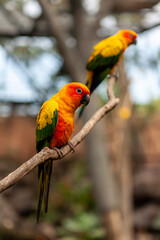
x=79, y=90
x=131, y=35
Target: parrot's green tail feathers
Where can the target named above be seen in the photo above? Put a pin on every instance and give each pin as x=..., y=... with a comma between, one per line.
x=81, y=111
x=48, y=180
x=83, y=106
x=44, y=175
x=41, y=189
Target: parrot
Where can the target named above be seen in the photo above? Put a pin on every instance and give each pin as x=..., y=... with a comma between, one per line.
x=54, y=126
x=105, y=56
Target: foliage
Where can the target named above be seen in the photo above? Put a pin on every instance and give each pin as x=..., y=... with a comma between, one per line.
x=84, y=226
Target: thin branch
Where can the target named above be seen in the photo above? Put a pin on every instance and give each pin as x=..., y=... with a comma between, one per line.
x=142, y=29
x=47, y=153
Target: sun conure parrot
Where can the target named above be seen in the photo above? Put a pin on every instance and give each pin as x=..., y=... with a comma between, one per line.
x=105, y=56
x=55, y=124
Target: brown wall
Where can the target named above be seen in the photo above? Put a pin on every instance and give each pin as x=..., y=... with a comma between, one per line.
x=17, y=137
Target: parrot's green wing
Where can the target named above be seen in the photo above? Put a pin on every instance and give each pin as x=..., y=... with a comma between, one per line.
x=46, y=123
x=101, y=68
x=99, y=62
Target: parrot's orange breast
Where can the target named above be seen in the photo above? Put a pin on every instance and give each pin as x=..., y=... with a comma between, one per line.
x=64, y=128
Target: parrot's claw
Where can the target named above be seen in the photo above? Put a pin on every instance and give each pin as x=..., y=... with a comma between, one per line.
x=60, y=154
x=71, y=146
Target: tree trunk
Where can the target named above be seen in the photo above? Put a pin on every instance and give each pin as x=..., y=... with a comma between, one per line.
x=124, y=136
x=104, y=183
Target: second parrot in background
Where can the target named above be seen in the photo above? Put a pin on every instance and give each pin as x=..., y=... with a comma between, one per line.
x=106, y=56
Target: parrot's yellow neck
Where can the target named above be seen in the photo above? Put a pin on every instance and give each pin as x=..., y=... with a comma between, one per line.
x=66, y=102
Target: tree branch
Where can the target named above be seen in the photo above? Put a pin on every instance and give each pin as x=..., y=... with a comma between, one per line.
x=47, y=153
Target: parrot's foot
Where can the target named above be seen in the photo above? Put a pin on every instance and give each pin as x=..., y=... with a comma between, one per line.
x=60, y=154
x=71, y=146
x=115, y=75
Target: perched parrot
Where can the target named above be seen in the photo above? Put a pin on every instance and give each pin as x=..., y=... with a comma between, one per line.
x=105, y=56
x=55, y=124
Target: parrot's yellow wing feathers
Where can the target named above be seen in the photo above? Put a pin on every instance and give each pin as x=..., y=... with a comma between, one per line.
x=106, y=53
x=46, y=123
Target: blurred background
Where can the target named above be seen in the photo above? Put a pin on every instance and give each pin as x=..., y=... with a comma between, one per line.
x=110, y=188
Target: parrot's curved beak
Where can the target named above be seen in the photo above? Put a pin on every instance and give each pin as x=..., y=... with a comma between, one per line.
x=85, y=99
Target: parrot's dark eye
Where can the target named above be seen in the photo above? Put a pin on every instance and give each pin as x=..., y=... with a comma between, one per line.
x=131, y=35
x=79, y=90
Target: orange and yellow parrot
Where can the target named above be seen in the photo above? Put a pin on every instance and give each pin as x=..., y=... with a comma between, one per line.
x=55, y=124
x=105, y=56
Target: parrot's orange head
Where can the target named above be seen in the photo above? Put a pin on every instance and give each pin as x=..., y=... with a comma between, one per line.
x=76, y=94
x=129, y=36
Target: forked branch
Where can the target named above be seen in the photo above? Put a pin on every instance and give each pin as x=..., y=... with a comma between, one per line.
x=47, y=153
